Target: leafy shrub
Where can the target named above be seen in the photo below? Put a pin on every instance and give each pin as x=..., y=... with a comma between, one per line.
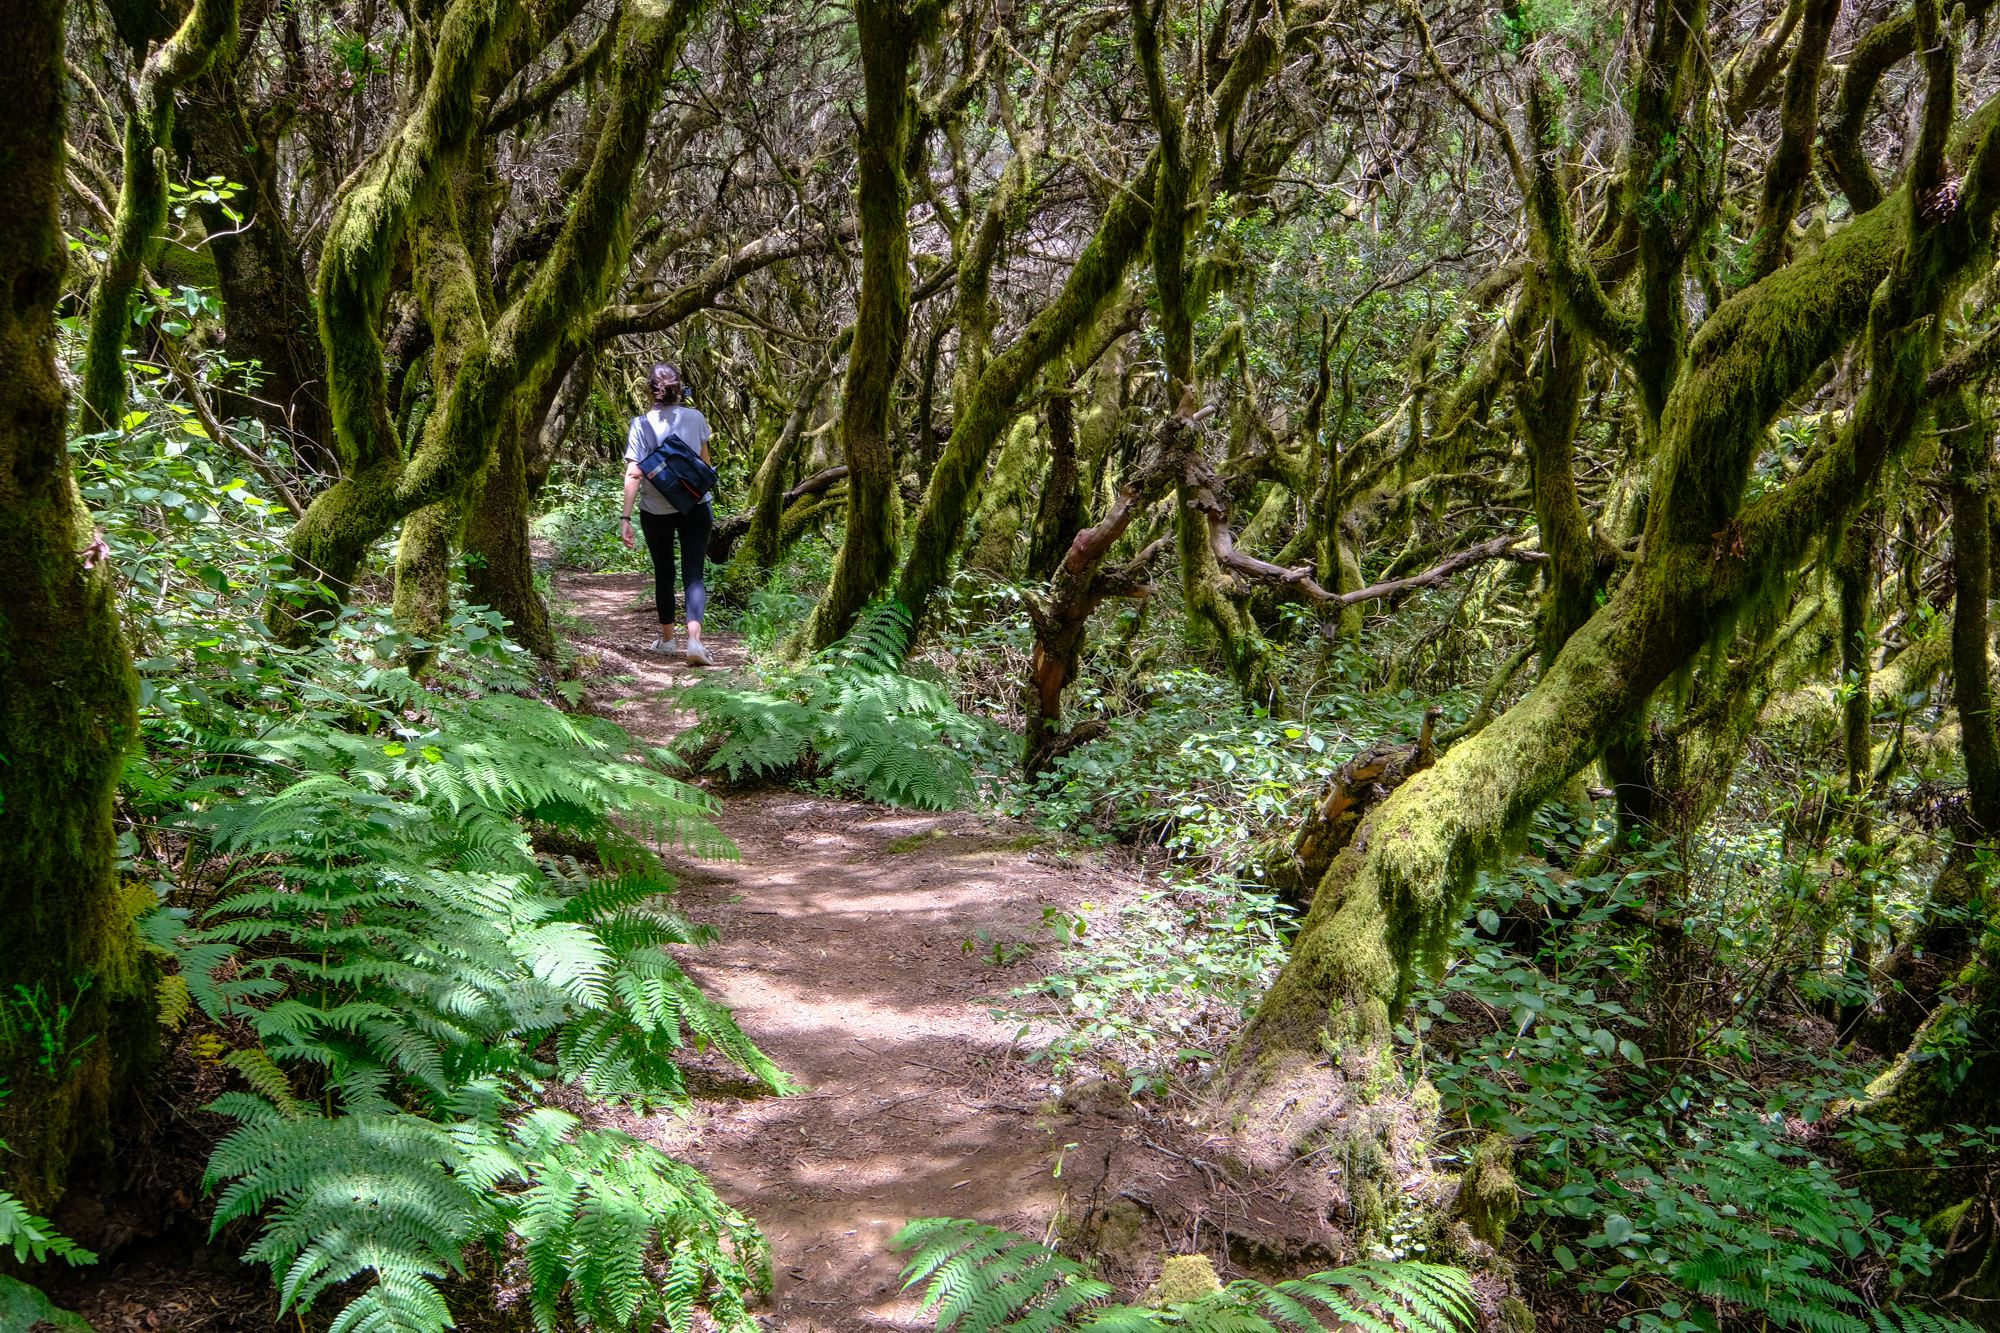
x=1155, y=989
x=1666, y=1193
x=765, y=606
x=580, y=522
x=978, y=1278
x=1206, y=776
x=849, y=719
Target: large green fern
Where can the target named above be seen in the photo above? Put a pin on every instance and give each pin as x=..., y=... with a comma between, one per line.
x=1776, y=1269
x=979, y=1278
x=410, y=967
x=850, y=719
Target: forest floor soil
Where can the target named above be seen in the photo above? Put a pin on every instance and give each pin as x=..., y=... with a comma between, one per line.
x=856, y=950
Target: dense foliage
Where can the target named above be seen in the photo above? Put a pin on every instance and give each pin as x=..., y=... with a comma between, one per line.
x=1489, y=510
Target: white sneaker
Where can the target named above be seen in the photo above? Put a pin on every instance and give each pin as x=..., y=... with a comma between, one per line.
x=664, y=645
x=697, y=655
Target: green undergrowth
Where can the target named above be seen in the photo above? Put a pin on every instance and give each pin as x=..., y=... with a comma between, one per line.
x=1152, y=990
x=413, y=923
x=765, y=606
x=32, y=1239
x=1667, y=1109
x=1671, y=1182
x=579, y=520
x=400, y=968
x=850, y=721
x=976, y=1278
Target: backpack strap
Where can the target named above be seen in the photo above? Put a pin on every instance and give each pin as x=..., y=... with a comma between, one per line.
x=648, y=434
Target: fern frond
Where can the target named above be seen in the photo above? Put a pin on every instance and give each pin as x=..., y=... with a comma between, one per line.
x=850, y=716
x=981, y=1279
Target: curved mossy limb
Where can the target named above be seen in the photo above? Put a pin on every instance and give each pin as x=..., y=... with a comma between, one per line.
x=371, y=223
x=1388, y=905
x=66, y=705
x=1268, y=521
x=1790, y=164
x=991, y=405
x=142, y=201
x=370, y=227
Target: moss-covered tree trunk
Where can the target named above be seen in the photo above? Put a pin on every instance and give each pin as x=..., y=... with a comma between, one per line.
x=449, y=290
x=1549, y=402
x=142, y=201
x=889, y=32
x=1186, y=166
x=1059, y=507
x=1951, y=1071
x=1081, y=583
x=1932, y=1171
x=1854, y=577
x=496, y=529
x=1003, y=502
x=266, y=300
x=66, y=706
x=1387, y=906
x=501, y=573
x=762, y=539
x=1967, y=433
x=994, y=398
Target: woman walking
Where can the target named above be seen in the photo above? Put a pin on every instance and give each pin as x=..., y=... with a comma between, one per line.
x=664, y=522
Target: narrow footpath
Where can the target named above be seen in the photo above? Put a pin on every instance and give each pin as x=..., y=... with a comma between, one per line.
x=857, y=951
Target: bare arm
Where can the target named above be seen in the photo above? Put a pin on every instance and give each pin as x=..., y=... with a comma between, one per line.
x=632, y=475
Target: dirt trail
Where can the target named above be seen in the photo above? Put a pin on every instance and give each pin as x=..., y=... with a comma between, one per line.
x=843, y=954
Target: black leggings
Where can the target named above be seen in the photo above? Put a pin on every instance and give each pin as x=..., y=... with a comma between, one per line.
x=692, y=530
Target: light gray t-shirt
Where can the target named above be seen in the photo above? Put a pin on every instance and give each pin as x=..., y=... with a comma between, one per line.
x=686, y=422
